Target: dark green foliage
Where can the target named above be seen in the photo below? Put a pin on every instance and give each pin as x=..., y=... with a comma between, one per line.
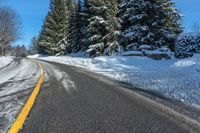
x=187, y=45
x=77, y=22
x=103, y=28
x=53, y=37
x=107, y=27
x=150, y=22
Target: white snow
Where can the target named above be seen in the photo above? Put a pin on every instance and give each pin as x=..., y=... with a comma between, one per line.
x=33, y=56
x=145, y=47
x=17, y=80
x=176, y=79
x=5, y=60
x=132, y=53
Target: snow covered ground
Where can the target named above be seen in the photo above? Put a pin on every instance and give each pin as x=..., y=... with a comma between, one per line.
x=176, y=79
x=5, y=61
x=17, y=80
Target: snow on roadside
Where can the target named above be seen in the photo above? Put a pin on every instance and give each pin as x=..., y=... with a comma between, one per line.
x=33, y=56
x=5, y=60
x=16, y=83
x=176, y=79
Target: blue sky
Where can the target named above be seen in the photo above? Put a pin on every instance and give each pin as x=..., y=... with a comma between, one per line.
x=32, y=13
x=191, y=12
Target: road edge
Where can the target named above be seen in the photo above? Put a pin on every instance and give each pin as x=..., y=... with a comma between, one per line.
x=182, y=119
x=171, y=113
x=19, y=122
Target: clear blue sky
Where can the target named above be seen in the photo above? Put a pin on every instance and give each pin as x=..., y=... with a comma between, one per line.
x=190, y=10
x=32, y=13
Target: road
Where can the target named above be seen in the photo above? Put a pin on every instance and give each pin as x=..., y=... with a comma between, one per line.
x=76, y=101
x=73, y=100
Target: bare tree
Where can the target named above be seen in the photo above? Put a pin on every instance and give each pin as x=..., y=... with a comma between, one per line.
x=9, y=27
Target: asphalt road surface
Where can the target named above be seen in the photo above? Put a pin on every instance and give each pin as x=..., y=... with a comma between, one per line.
x=73, y=100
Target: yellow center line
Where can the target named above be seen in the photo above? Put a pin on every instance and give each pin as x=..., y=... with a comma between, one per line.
x=18, y=124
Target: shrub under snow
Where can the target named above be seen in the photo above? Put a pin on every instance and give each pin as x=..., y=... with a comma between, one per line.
x=188, y=44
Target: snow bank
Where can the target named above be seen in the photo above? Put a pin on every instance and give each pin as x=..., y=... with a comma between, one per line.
x=176, y=79
x=33, y=56
x=16, y=84
x=5, y=60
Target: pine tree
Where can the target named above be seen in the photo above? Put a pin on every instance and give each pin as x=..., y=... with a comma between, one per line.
x=53, y=37
x=151, y=22
x=84, y=15
x=46, y=38
x=76, y=26
x=102, y=27
x=96, y=27
x=82, y=27
x=113, y=28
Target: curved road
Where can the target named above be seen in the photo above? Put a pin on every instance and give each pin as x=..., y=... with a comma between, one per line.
x=73, y=100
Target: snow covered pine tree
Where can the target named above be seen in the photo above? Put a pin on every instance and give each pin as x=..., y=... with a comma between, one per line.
x=187, y=44
x=102, y=29
x=77, y=27
x=149, y=22
x=53, y=37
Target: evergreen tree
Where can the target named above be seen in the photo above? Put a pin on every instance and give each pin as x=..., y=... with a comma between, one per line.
x=102, y=27
x=53, y=37
x=94, y=26
x=152, y=22
x=82, y=24
x=76, y=26
x=113, y=28
x=84, y=15
x=45, y=39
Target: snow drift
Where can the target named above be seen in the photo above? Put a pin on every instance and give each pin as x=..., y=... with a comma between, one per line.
x=5, y=60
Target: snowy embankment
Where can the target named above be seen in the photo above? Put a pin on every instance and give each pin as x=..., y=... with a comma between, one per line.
x=5, y=61
x=176, y=79
x=17, y=80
